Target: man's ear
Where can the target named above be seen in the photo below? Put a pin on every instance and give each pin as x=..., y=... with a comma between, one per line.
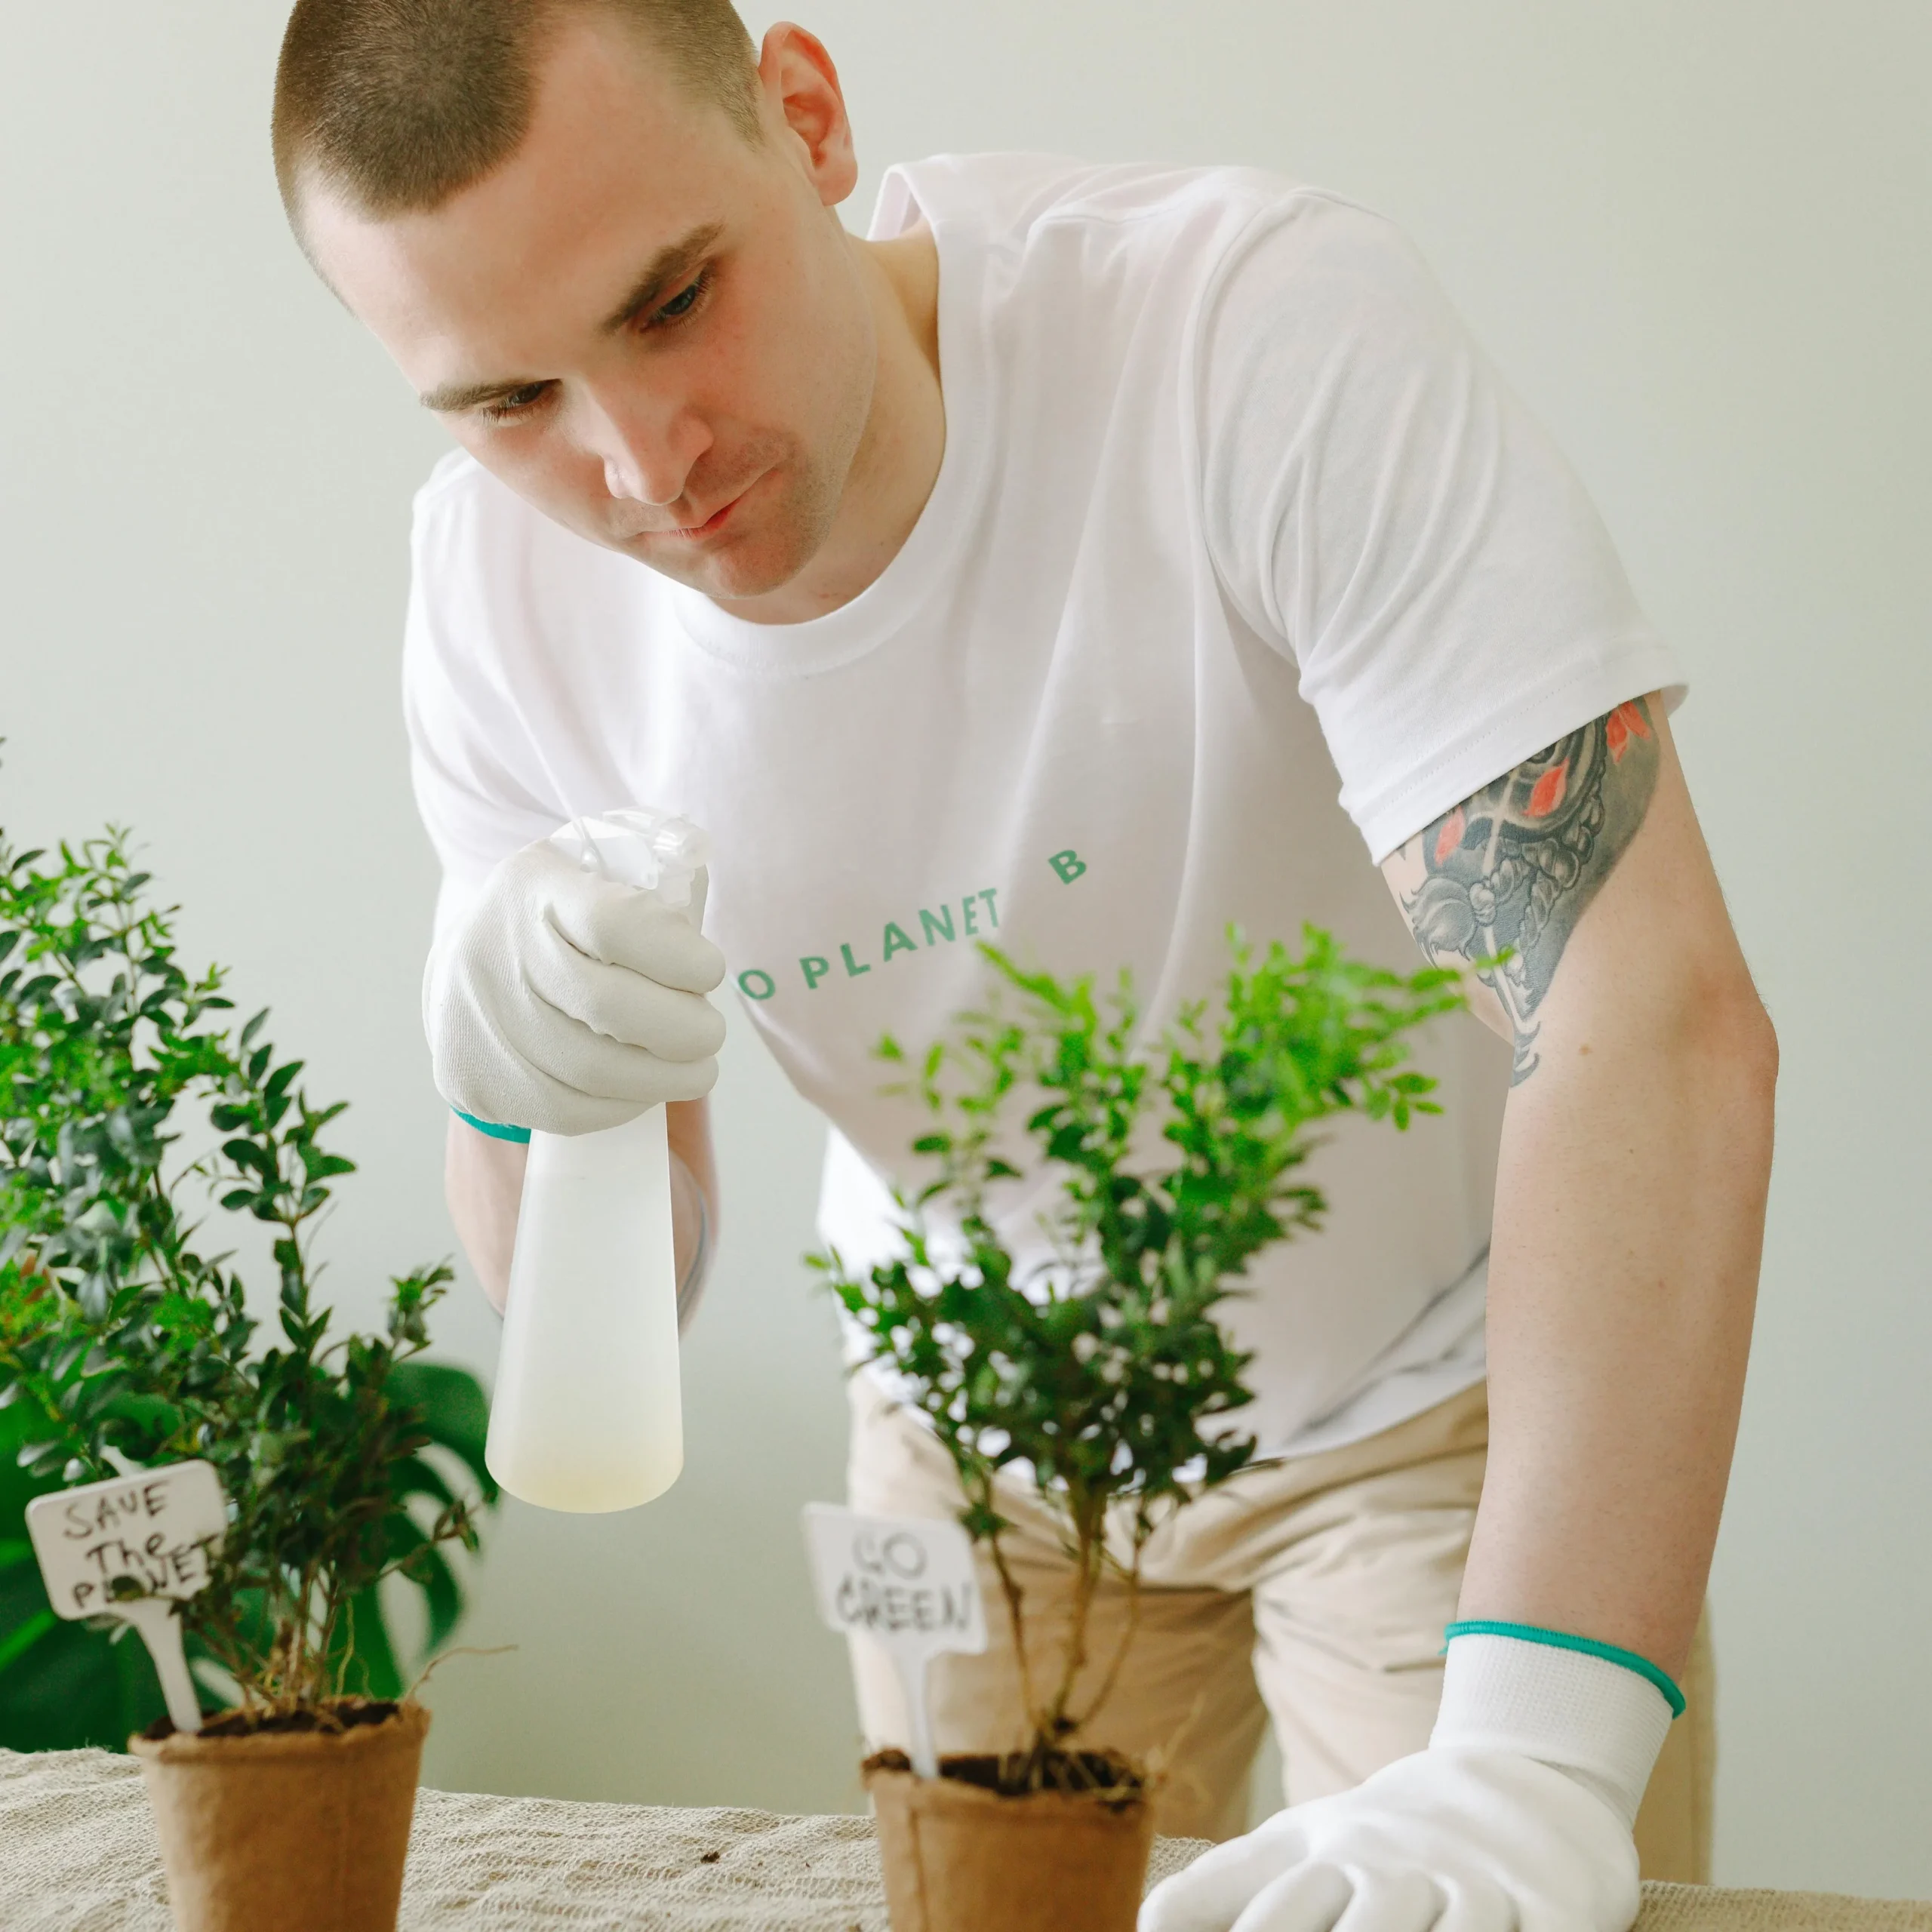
x=805, y=107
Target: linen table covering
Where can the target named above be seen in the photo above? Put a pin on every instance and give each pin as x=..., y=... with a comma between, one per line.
x=77, y=1854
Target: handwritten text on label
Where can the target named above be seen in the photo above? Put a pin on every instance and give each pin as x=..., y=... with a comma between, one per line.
x=144, y=1535
x=908, y=1581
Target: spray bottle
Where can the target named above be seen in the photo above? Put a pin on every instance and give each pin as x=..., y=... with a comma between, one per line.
x=587, y=1415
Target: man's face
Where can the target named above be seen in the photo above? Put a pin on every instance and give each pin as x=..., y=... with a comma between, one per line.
x=650, y=330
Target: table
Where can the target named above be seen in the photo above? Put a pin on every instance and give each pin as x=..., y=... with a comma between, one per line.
x=77, y=1854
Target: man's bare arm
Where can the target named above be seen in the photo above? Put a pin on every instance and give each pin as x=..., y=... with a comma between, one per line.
x=1636, y=1159
x=483, y=1183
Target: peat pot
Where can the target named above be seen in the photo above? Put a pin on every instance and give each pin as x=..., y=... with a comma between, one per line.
x=958, y=1856
x=302, y=1827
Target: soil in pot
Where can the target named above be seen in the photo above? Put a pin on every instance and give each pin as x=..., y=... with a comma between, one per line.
x=961, y=1856
x=300, y=1823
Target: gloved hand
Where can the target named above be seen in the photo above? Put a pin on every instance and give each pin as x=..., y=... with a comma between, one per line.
x=1516, y=1818
x=566, y=1001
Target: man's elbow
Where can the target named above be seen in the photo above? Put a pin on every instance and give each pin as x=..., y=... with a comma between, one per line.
x=1720, y=1033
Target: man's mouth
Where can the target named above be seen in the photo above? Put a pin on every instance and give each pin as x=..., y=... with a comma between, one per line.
x=711, y=523
x=692, y=533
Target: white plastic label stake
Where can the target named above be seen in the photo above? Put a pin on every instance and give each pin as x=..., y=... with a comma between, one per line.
x=907, y=1581
x=153, y=1531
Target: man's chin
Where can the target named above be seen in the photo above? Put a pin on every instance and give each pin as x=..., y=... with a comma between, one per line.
x=731, y=574
x=733, y=567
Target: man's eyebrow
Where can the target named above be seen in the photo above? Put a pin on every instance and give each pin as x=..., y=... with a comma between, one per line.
x=454, y=396
x=670, y=263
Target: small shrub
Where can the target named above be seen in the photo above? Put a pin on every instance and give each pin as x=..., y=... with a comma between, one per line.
x=125, y=1342
x=1105, y=1371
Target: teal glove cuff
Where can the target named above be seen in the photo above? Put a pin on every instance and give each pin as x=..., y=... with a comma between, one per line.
x=1562, y=1640
x=520, y=1135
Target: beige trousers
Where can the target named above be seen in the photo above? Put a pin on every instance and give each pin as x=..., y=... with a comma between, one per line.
x=1312, y=1591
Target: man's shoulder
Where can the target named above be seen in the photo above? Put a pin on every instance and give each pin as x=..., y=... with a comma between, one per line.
x=1020, y=198
x=486, y=563
x=456, y=472
x=459, y=490
x=467, y=523
x=1078, y=244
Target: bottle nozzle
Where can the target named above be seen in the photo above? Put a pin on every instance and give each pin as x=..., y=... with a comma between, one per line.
x=655, y=850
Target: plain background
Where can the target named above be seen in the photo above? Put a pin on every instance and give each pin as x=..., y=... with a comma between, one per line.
x=1696, y=237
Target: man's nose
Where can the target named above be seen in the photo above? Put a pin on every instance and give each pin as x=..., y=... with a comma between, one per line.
x=649, y=454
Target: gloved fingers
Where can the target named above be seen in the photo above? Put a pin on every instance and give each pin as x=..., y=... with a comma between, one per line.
x=625, y=926
x=1403, y=1900
x=531, y=1098
x=1311, y=1898
x=1211, y=1894
x=556, y=1108
x=1476, y=1904
x=624, y=1006
x=568, y=1112
x=688, y=1080
x=581, y=1061
x=630, y=1074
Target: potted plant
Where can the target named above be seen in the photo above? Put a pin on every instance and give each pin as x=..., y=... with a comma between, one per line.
x=1102, y=1373
x=126, y=1344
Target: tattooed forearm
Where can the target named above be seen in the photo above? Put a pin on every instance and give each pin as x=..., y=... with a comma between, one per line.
x=1506, y=875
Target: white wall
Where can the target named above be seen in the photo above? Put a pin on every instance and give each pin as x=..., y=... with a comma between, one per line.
x=1696, y=239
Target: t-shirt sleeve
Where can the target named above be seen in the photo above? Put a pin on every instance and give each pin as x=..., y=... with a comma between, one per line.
x=476, y=804
x=1380, y=505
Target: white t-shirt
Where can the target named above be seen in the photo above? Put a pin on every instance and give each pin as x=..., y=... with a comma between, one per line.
x=1237, y=539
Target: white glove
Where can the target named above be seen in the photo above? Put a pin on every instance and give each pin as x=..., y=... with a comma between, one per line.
x=1516, y=1818
x=566, y=1001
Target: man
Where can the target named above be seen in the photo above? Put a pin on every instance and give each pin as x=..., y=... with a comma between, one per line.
x=1041, y=566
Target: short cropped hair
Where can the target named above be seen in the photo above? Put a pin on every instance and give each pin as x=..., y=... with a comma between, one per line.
x=400, y=104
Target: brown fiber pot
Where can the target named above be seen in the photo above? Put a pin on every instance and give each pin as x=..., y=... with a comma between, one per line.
x=297, y=1830
x=959, y=1858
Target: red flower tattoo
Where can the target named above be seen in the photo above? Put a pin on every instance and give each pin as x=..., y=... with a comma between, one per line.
x=1622, y=725
x=1546, y=794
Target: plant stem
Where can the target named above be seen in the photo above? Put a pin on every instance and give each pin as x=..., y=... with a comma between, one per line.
x=1107, y=1683
x=1089, y=1515
x=1015, y=1616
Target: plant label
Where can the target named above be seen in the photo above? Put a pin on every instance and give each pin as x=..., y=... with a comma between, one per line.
x=132, y=1548
x=907, y=1583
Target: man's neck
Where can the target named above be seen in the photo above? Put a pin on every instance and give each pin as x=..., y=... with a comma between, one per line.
x=899, y=453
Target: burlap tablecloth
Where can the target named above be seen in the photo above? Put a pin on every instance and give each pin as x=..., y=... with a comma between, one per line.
x=77, y=1854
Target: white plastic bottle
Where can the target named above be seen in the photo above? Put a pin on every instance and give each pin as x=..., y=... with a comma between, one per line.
x=587, y=1414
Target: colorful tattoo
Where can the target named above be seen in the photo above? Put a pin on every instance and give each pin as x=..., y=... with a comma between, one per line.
x=1510, y=871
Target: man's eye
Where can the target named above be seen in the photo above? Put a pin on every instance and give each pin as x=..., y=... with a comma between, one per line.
x=681, y=304
x=517, y=402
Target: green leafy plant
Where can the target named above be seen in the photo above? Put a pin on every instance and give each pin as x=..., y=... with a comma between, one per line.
x=1104, y=1370
x=125, y=1342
